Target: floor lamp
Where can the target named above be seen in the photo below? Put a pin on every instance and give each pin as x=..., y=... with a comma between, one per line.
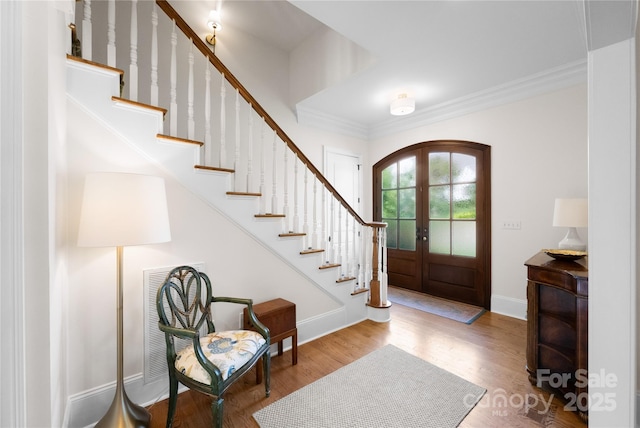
x=119, y=210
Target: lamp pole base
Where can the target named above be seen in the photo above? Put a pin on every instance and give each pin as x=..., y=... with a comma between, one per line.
x=124, y=413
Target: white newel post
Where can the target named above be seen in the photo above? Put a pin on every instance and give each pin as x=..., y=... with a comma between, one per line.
x=378, y=310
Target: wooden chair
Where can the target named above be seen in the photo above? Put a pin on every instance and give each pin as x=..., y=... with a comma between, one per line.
x=197, y=356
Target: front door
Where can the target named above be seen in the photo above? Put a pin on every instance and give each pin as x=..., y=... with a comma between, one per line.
x=435, y=199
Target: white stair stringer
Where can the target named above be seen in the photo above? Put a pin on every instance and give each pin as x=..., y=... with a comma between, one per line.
x=93, y=89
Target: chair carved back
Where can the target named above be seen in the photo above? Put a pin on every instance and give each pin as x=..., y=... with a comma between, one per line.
x=184, y=301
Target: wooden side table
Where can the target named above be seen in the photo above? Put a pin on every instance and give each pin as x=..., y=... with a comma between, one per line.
x=279, y=316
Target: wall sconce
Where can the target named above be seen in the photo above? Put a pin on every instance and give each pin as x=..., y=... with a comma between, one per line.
x=402, y=105
x=215, y=24
x=571, y=213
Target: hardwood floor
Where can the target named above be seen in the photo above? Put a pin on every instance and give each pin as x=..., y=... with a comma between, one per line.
x=490, y=353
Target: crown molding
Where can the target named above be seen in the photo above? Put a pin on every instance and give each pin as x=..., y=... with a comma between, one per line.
x=554, y=79
x=332, y=123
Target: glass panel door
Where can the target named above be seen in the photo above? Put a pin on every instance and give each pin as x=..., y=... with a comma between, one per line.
x=399, y=204
x=452, y=204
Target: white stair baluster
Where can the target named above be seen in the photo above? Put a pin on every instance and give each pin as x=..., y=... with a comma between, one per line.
x=296, y=217
x=154, y=55
x=133, y=67
x=223, y=123
x=345, y=257
x=274, y=179
x=286, y=221
x=263, y=190
x=207, y=115
x=111, y=33
x=236, y=160
x=191, y=124
x=354, y=248
x=86, y=30
x=305, y=214
x=250, y=151
x=339, y=240
x=314, y=235
x=173, y=118
x=323, y=234
x=331, y=240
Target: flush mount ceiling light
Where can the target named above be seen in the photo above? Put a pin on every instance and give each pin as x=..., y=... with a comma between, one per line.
x=402, y=105
x=215, y=24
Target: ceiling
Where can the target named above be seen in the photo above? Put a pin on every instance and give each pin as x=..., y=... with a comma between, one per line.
x=439, y=52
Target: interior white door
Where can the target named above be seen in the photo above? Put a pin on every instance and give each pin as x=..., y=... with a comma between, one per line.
x=343, y=170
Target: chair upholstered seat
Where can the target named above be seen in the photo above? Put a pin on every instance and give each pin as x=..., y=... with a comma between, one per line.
x=227, y=350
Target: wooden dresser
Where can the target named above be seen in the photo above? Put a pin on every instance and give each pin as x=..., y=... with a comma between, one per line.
x=557, y=315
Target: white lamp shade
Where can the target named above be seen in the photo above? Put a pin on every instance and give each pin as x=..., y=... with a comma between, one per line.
x=570, y=213
x=123, y=209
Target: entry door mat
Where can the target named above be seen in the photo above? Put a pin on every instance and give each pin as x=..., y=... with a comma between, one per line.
x=434, y=305
x=387, y=388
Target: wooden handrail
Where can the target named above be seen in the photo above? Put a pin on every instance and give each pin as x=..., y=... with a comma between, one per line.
x=204, y=49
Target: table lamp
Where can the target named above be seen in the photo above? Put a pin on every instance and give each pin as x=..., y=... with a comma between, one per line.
x=571, y=213
x=119, y=210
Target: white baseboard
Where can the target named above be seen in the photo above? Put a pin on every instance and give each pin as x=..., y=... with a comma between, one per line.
x=509, y=306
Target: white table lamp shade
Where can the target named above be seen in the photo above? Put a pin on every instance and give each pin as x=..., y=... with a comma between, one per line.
x=570, y=213
x=123, y=209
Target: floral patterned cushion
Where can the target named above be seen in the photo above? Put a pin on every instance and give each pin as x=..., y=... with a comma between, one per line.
x=227, y=350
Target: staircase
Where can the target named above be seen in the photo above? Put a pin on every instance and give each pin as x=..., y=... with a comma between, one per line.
x=222, y=146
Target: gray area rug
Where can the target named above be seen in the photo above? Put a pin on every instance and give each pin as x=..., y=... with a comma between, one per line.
x=386, y=388
x=434, y=305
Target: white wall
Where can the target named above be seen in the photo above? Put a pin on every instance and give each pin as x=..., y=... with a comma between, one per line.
x=265, y=72
x=612, y=220
x=237, y=264
x=538, y=153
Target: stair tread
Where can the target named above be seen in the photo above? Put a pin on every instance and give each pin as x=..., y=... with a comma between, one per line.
x=345, y=279
x=269, y=215
x=139, y=104
x=243, y=194
x=213, y=168
x=312, y=251
x=329, y=265
x=292, y=234
x=179, y=139
x=95, y=64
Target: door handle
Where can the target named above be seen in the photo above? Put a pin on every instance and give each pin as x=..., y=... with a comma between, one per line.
x=425, y=236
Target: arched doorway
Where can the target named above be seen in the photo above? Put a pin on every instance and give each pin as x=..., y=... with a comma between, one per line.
x=436, y=199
